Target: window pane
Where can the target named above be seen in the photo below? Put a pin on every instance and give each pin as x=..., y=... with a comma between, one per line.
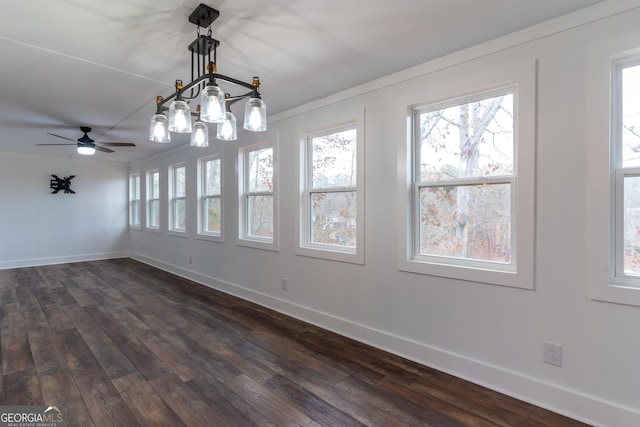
x=632, y=225
x=179, y=182
x=155, y=185
x=260, y=170
x=179, y=214
x=260, y=216
x=630, y=117
x=212, y=177
x=135, y=212
x=154, y=213
x=334, y=160
x=333, y=218
x=469, y=140
x=213, y=214
x=470, y=221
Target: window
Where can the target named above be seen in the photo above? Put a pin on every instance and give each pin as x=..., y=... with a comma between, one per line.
x=177, y=198
x=210, y=190
x=625, y=159
x=464, y=187
x=134, y=200
x=257, y=198
x=613, y=272
x=466, y=176
x=153, y=199
x=331, y=223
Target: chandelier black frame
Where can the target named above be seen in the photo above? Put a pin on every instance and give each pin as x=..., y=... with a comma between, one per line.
x=215, y=104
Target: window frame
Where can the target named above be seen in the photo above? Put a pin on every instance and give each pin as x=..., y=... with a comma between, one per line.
x=601, y=224
x=203, y=196
x=152, y=201
x=462, y=83
x=135, y=206
x=244, y=194
x=618, y=174
x=305, y=246
x=418, y=185
x=173, y=199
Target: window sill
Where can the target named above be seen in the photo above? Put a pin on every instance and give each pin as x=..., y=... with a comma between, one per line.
x=210, y=237
x=490, y=274
x=352, y=256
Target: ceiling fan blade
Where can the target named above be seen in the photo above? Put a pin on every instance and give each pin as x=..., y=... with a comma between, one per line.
x=55, y=144
x=117, y=144
x=103, y=149
x=60, y=136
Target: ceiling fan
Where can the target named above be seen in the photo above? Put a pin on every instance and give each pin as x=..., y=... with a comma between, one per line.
x=88, y=146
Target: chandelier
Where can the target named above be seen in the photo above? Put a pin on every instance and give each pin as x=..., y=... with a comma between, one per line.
x=215, y=104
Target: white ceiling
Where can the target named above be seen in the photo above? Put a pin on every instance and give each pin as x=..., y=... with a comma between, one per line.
x=67, y=63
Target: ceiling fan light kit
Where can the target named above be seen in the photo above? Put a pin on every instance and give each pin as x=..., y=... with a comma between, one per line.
x=87, y=146
x=214, y=102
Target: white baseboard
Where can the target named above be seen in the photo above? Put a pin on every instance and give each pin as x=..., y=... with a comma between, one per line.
x=571, y=403
x=34, y=262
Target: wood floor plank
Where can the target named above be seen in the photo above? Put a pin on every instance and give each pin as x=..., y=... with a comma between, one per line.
x=56, y=317
x=278, y=410
x=244, y=363
x=185, y=402
x=145, y=403
x=78, y=356
x=47, y=357
x=8, y=295
x=236, y=411
x=16, y=353
x=313, y=406
x=106, y=406
x=208, y=361
x=34, y=317
x=21, y=388
x=178, y=361
x=11, y=319
x=59, y=389
x=131, y=347
x=105, y=351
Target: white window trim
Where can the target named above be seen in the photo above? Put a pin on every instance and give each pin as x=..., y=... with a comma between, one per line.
x=202, y=215
x=135, y=199
x=604, y=178
x=267, y=243
x=171, y=229
x=149, y=199
x=353, y=120
x=461, y=83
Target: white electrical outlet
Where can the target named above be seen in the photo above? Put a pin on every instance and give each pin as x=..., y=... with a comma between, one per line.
x=552, y=354
x=284, y=283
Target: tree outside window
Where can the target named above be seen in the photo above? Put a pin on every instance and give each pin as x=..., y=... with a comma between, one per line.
x=212, y=197
x=464, y=179
x=259, y=165
x=331, y=187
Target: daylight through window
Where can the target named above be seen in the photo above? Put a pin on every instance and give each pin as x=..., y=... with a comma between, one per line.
x=464, y=188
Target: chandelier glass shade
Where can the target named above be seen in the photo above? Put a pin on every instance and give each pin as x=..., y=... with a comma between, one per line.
x=255, y=115
x=179, y=117
x=200, y=134
x=159, y=129
x=215, y=103
x=227, y=130
x=212, y=104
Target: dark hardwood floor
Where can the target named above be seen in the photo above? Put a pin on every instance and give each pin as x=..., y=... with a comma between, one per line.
x=120, y=343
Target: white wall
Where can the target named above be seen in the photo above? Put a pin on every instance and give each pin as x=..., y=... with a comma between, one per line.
x=488, y=334
x=37, y=227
